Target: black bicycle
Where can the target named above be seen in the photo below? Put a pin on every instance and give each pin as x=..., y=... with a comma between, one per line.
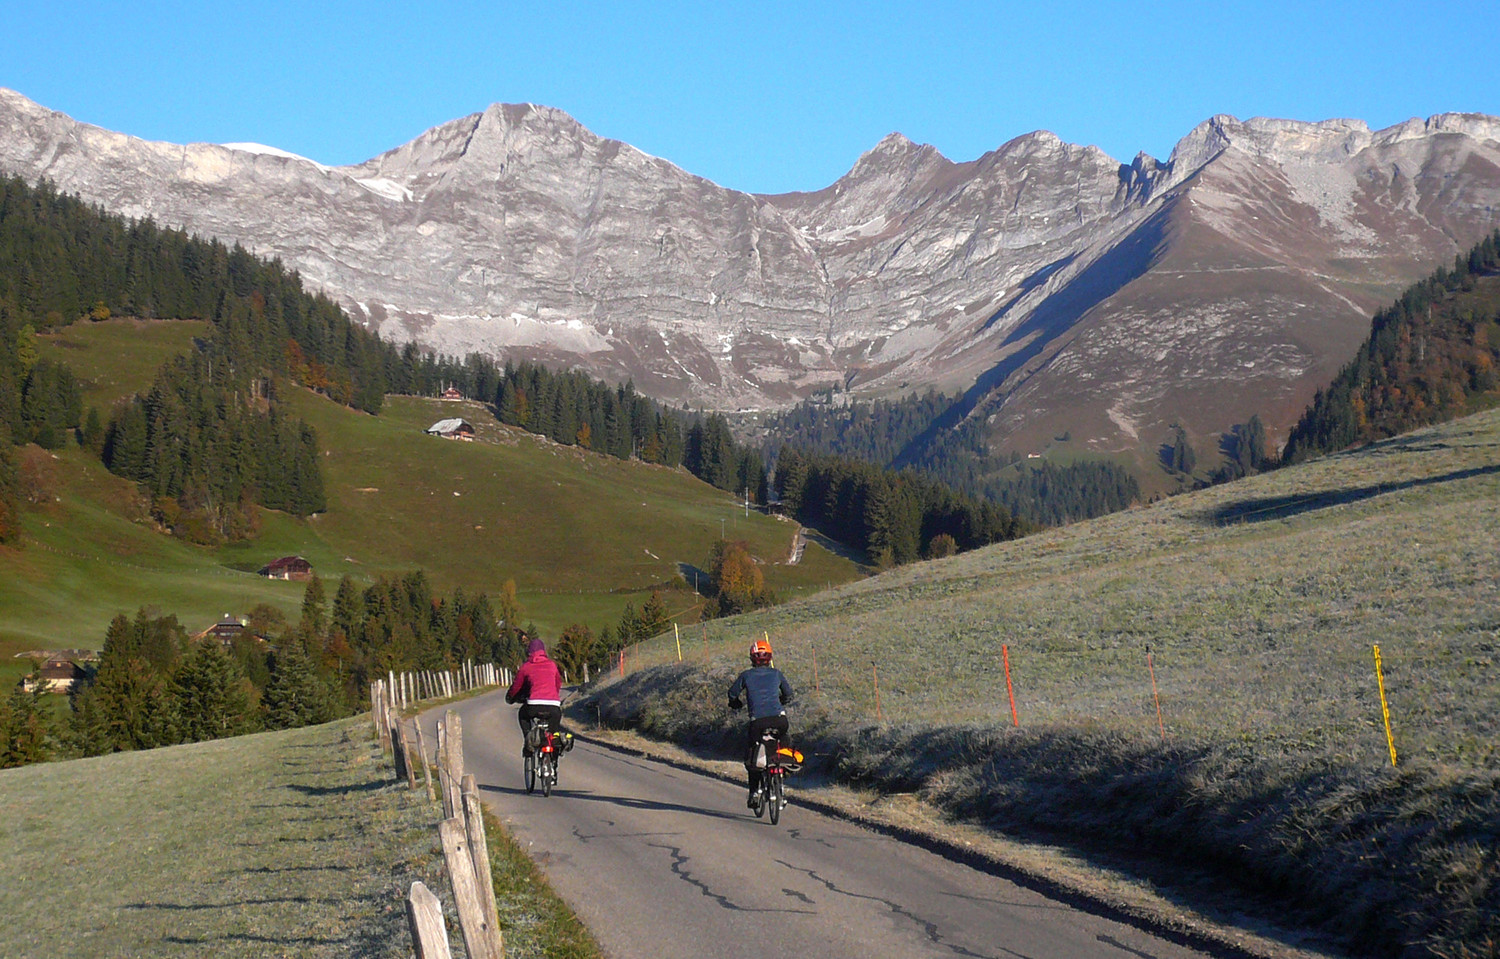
x=541, y=756
x=779, y=760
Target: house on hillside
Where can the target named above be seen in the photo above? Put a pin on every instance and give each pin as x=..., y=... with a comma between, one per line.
x=451, y=393
x=59, y=675
x=452, y=429
x=288, y=567
x=226, y=630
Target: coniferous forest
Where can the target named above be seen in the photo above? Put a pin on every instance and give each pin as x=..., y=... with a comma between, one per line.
x=929, y=434
x=157, y=686
x=1431, y=356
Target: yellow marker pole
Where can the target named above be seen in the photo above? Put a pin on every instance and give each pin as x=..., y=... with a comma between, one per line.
x=1385, y=709
x=678, y=636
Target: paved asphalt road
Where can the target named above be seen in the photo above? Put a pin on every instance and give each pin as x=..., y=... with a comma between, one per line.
x=660, y=862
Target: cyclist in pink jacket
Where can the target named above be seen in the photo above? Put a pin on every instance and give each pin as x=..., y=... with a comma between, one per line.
x=538, y=688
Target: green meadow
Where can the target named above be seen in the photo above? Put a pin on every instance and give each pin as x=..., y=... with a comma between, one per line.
x=1194, y=682
x=581, y=535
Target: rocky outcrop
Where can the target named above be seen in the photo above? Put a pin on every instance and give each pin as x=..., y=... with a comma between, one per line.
x=1065, y=291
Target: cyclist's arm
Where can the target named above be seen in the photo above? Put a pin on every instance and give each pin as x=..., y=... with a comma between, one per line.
x=786, y=691
x=519, y=688
x=736, y=692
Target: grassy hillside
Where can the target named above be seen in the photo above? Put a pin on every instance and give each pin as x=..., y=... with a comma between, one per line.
x=291, y=843
x=1259, y=602
x=581, y=535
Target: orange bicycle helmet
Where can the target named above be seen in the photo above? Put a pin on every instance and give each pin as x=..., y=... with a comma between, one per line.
x=760, y=653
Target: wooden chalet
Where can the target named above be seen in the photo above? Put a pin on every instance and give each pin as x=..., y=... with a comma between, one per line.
x=452, y=429
x=226, y=630
x=451, y=393
x=59, y=675
x=288, y=567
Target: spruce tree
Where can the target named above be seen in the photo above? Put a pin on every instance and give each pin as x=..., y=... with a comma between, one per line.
x=314, y=608
x=23, y=723
x=211, y=694
x=294, y=696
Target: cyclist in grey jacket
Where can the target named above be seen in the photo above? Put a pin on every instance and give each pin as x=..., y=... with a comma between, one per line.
x=767, y=691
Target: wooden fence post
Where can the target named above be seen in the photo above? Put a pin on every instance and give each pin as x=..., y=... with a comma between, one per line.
x=411, y=772
x=383, y=696
x=422, y=756
x=424, y=914
x=455, y=744
x=398, y=753
x=479, y=850
x=477, y=940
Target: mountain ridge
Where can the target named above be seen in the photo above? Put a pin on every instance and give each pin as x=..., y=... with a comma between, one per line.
x=1014, y=276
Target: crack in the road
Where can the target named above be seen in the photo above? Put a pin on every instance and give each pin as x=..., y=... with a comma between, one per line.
x=930, y=929
x=680, y=861
x=797, y=895
x=796, y=834
x=584, y=837
x=1112, y=941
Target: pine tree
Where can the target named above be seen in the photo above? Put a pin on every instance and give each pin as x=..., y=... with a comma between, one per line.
x=211, y=694
x=314, y=609
x=653, y=619
x=23, y=723
x=1184, y=460
x=294, y=696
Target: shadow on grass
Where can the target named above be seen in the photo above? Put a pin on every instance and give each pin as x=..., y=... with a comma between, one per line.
x=1268, y=508
x=237, y=904
x=251, y=937
x=374, y=785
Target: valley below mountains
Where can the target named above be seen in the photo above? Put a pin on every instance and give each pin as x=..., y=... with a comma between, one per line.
x=1060, y=290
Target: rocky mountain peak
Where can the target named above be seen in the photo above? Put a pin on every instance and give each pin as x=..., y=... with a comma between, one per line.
x=1065, y=291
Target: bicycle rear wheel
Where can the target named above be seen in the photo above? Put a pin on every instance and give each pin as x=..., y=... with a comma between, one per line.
x=530, y=773
x=776, y=799
x=549, y=773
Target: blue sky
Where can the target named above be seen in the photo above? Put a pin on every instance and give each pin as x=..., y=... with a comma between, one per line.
x=766, y=97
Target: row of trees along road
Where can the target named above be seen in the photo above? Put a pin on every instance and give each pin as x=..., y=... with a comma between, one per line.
x=156, y=686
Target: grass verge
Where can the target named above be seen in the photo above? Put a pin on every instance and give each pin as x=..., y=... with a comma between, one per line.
x=1259, y=601
x=288, y=843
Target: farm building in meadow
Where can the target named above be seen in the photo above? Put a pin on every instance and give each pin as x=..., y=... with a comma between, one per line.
x=452, y=429
x=451, y=393
x=226, y=630
x=288, y=567
x=59, y=675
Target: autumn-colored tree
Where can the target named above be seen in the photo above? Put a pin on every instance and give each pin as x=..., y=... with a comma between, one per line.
x=738, y=581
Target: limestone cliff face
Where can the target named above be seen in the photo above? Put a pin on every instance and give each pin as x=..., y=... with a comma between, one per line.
x=1065, y=290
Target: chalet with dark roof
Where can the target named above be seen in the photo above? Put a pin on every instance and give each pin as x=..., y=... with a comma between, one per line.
x=288, y=567
x=58, y=675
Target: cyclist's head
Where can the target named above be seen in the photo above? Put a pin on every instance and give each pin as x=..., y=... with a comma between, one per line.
x=760, y=653
x=535, y=646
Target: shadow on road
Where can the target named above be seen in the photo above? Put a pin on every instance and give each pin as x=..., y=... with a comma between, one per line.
x=626, y=802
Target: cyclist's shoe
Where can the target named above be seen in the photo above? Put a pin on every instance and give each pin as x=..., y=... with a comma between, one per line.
x=750, y=803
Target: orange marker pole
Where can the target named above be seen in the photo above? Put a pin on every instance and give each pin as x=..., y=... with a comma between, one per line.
x=877, y=690
x=1005, y=655
x=677, y=636
x=1155, y=695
